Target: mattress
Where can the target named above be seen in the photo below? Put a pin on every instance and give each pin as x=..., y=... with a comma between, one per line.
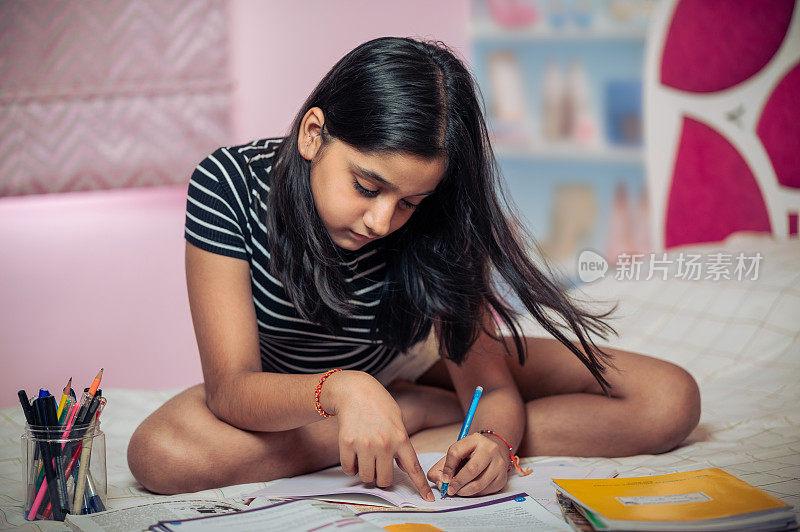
x=739, y=338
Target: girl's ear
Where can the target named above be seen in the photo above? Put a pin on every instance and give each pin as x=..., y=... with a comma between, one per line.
x=308, y=134
x=308, y=148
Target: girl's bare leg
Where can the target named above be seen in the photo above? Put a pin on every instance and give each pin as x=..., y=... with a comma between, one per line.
x=183, y=447
x=653, y=408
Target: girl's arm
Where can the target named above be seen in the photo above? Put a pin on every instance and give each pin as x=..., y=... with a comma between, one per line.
x=224, y=320
x=500, y=410
x=237, y=390
x=371, y=429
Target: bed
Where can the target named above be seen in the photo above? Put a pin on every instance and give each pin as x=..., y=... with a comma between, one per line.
x=739, y=338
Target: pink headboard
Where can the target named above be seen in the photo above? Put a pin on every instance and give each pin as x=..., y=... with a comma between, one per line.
x=722, y=119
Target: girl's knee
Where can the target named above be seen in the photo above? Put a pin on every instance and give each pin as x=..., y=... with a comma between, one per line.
x=162, y=461
x=150, y=459
x=674, y=410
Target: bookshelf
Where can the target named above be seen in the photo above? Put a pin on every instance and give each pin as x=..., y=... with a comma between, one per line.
x=567, y=153
x=486, y=30
x=581, y=186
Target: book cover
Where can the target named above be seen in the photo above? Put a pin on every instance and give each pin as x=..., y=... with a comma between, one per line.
x=689, y=496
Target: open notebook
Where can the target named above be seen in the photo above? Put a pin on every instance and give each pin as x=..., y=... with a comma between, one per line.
x=514, y=513
x=333, y=484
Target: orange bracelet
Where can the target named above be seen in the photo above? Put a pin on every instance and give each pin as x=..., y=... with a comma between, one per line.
x=514, y=459
x=319, y=389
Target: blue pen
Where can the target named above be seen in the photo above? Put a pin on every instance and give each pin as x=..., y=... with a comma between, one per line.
x=465, y=427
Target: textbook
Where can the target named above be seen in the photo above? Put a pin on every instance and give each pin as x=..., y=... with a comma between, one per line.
x=705, y=499
x=517, y=512
x=572, y=515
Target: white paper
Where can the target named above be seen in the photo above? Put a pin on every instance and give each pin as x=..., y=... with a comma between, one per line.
x=403, y=493
x=515, y=513
x=142, y=516
x=519, y=513
x=292, y=515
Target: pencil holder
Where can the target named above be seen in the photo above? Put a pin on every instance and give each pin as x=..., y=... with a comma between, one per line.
x=64, y=471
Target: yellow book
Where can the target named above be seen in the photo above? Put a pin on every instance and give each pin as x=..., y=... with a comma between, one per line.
x=705, y=499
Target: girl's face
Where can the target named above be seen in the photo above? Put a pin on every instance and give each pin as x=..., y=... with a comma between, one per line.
x=362, y=197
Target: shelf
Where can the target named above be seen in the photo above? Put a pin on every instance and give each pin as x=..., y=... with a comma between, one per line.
x=486, y=30
x=569, y=152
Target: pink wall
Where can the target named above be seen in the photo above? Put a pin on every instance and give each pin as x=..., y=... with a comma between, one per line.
x=281, y=50
x=94, y=279
x=91, y=279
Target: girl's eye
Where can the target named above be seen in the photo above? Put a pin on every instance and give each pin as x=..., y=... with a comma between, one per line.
x=372, y=193
x=364, y=191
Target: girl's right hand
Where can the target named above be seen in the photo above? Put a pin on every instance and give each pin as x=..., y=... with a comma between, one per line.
x=371, y=431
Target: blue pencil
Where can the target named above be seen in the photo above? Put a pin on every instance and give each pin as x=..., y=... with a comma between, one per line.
x=465, y=427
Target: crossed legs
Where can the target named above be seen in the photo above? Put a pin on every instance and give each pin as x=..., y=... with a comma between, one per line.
x=653, y=407
x=183, y=447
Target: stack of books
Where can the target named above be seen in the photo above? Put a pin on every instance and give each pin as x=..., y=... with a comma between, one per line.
x=706, y=499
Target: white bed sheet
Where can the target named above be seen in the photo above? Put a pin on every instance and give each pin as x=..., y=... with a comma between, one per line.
x=739, y=339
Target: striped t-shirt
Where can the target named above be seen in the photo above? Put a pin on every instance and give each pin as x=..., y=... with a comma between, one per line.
x=225, y=197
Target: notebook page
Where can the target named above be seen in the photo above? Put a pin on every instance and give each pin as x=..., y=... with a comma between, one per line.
x=510, y=514
x=402, y=492
x=292, y=515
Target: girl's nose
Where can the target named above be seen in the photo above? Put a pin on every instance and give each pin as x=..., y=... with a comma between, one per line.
x=378, y=218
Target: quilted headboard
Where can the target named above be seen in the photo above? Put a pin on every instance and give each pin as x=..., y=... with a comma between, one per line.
x=722, y=119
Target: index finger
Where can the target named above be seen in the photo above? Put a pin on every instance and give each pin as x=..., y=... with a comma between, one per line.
x=410, y=464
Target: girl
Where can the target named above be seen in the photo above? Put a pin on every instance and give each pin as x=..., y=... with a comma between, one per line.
x=330, y=269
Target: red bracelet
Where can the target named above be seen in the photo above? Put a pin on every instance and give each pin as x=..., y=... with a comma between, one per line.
x=514, y=459
x=319, y=389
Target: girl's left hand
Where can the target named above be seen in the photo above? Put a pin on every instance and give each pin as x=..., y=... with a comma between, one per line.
x=485, y=472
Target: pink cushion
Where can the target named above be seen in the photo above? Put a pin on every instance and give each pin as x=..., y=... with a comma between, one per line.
x=95, y=279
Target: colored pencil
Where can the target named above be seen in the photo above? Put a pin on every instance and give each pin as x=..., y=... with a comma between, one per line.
x=64, y=396
x=465, y=427
x=96, y=383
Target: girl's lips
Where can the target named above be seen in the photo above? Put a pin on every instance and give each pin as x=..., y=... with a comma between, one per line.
x=360, y=236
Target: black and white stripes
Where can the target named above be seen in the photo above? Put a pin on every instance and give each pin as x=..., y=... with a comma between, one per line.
x=225, y=194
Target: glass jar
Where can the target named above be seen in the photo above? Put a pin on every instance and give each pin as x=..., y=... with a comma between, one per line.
x=66, y=467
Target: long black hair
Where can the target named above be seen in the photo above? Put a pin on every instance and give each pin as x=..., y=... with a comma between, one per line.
x=445, y=266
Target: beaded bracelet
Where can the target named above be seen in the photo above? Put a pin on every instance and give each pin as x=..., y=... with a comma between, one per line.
x=317, y=391
x=514, y=459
